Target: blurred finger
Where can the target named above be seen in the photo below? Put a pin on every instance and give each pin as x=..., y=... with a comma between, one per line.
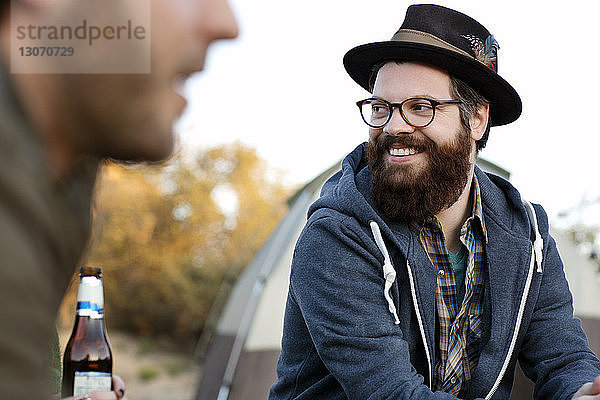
x=583, y=390
x=596, y=385
x=589, y=391
x=118, y=386
x=99, y=396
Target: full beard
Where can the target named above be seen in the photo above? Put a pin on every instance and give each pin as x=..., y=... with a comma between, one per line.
x=405, y=193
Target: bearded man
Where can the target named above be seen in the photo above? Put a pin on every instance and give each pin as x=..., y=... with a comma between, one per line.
x=418, y=275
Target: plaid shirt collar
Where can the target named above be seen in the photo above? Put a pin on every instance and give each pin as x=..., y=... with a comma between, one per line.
x=476, y=215
x=477, y=212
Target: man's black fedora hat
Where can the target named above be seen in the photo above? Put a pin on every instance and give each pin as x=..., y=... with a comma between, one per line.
x=451, y=41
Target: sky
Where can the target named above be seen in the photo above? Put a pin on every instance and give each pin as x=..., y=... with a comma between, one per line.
x=266, y=88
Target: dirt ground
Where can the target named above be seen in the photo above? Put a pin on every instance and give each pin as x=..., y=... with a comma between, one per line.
x=150, y=373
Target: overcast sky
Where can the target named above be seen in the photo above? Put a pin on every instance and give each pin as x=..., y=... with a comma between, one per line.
x=265, y=88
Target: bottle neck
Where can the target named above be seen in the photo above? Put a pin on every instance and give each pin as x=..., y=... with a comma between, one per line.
x=90, y=298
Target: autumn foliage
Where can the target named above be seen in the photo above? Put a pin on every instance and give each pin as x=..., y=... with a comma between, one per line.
x=166, y=236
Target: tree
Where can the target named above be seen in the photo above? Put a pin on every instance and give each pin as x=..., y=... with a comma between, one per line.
x=583, y=225
x=166, y=235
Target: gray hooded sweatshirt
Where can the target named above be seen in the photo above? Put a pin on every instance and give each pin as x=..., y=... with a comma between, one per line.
x=360, y=317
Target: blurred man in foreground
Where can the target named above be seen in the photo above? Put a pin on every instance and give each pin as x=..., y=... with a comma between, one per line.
x=56, y=126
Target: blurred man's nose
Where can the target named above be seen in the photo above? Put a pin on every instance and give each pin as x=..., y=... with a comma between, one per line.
x=219, y=21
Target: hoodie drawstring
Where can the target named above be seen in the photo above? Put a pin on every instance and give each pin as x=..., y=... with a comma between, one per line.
x=538, y=243
x=389, y=273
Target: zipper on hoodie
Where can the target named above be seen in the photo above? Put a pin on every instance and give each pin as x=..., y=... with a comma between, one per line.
x=536, y=258
x=513, y=341
x=413, y=293
x=390, y=276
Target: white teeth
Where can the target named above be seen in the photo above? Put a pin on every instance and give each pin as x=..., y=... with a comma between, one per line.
x=402, y=152
x=179, y=83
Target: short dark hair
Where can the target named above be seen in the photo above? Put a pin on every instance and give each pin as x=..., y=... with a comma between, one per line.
x=4, y=7
x=471, y=100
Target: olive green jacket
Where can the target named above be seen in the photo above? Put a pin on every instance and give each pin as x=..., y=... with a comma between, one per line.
x=44, y=230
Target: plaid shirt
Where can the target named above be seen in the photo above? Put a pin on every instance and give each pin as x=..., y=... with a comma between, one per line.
x=459, y=324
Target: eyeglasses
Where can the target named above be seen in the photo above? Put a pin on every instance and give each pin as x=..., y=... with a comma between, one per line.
x=415, y=111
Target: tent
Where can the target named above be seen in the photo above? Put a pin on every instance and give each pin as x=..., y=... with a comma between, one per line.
x=240, y=360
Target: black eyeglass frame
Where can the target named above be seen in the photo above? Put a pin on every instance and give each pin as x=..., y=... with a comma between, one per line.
x=391, y=106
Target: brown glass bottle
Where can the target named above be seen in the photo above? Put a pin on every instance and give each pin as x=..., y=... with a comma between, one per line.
x=87, y=362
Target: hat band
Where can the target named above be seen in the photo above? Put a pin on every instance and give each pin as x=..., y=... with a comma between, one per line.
x=411, y=35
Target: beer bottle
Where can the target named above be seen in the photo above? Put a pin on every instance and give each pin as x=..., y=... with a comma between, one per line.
x=87, y=362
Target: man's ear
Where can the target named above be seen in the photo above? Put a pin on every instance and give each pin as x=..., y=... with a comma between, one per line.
x=479, y=121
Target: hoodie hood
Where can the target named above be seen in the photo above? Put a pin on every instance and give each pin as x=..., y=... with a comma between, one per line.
x=348, y=190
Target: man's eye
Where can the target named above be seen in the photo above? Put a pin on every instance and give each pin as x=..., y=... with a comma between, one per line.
x=379, y=108
x=421, y=107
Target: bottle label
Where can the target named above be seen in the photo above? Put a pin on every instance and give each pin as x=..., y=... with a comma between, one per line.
x=90, y=299
x=91, y=381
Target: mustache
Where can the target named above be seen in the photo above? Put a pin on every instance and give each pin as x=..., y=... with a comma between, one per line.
x=384, y=142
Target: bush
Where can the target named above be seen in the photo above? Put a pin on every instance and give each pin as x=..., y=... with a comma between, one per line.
x=147, y=374
x=166, y=241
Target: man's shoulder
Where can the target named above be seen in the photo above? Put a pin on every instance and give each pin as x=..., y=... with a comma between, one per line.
x=48, y=214
x=504, y=205
x=333, y=221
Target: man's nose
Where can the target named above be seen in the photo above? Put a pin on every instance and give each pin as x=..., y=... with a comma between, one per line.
x=218, y=21
x=397, y=125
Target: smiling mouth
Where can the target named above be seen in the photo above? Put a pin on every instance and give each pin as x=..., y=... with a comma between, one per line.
x=178, y=84
x=401, y=152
